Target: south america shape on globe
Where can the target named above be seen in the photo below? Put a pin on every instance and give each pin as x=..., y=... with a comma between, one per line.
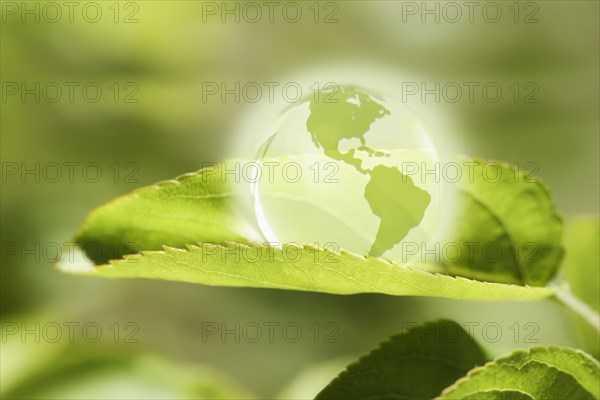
x=392, y=195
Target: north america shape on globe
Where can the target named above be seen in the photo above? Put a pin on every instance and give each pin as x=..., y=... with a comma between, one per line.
x=392, y=196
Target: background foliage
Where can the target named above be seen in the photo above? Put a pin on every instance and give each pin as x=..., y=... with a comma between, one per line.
x=169, y=53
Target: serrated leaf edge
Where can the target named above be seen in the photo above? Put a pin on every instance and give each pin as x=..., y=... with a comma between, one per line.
x=480, y=369
x=341, y=253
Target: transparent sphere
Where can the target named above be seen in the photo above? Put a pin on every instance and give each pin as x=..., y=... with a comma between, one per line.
x=348, y=168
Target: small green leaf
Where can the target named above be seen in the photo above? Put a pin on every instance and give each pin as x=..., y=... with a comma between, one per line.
x=543, y=373
x=506, y=227
x=416, y=364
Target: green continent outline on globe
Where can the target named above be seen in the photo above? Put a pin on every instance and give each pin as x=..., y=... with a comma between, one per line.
x=349, y=113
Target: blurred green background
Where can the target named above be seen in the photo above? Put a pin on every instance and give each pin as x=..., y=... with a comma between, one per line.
x=164, y=57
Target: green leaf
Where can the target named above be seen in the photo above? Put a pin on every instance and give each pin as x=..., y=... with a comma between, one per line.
x=416, y=364
x=541, y=372
x=205, y=207
x=193, y=207
x=506, y=227
x=307, y=268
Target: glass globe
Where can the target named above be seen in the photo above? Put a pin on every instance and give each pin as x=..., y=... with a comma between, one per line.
x=348, y=168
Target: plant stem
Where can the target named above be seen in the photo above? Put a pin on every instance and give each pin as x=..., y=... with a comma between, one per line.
x=573, y=303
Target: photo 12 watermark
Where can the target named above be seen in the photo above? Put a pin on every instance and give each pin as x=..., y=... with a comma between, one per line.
x=470, y=92
x=52, y=12
x=269, y=252
x=487, y=331
x=68, y=252
x=68, y=172
x=468, y=253
x=69, y=331
x=269, y=332
x=252, y=12
x=453, y=12
x=70, y=92
x=269, y=91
